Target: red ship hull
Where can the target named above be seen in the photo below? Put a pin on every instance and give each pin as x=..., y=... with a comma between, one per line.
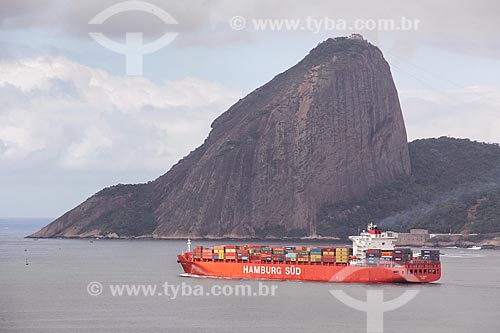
x=418, y=271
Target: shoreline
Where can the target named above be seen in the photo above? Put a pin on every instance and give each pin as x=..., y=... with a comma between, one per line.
x=490, y=244
x=228, y=238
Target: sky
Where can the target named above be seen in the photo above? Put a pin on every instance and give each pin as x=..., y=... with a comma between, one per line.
x=74, y=119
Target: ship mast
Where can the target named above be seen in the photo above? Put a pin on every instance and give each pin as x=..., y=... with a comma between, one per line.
x=189, y=245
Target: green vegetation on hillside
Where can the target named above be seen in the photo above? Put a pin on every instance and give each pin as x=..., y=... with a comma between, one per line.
x=488, y=213
x=135, y=217
x=454, y=186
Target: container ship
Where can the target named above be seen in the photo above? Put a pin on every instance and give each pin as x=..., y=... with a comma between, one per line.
x=373, y=258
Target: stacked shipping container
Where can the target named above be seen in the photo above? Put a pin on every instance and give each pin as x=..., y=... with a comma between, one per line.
x=303, y=254
x=432, y=255
x=373, y=256
x=342, y=254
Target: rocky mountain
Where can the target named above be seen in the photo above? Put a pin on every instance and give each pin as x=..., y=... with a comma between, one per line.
x=328, y=129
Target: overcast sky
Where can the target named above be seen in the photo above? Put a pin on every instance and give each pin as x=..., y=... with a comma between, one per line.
x=72, y=121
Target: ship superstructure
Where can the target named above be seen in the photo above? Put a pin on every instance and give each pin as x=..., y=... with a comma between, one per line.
x=373, y=238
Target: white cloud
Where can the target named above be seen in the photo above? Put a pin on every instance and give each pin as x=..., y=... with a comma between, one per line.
x=58, y=112
x=471, y=112
x=469, y=27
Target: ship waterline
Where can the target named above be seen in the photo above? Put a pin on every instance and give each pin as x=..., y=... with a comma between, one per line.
x=413, y=273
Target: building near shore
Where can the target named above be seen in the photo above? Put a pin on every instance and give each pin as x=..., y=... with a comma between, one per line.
x=416, y=237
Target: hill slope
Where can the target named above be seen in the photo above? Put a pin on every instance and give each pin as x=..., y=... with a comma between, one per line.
x=454, y=186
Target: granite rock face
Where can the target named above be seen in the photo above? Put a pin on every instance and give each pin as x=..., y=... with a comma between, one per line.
x=327, y=129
